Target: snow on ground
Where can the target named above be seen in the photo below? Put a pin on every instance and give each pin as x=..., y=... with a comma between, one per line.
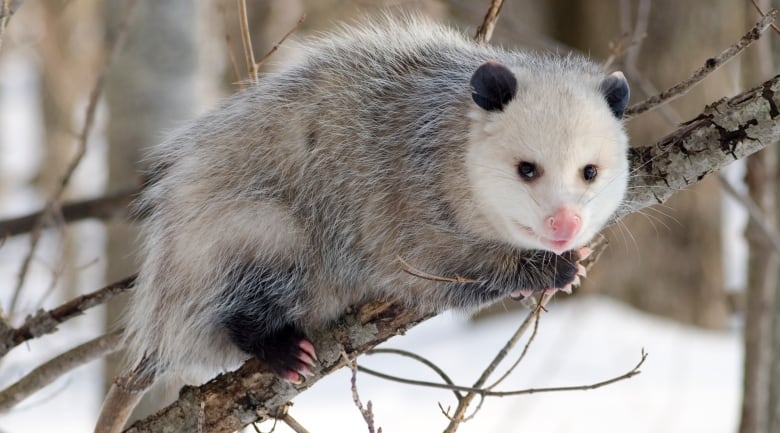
x=690, y=382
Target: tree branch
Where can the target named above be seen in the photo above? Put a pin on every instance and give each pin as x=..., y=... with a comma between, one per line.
x=106, y=208
x=727, y=130
x=710, y=65
x=49, y=371
x=485, y=30
x=45, y=322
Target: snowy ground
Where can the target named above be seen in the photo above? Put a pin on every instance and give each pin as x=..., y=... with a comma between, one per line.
x=690, y=382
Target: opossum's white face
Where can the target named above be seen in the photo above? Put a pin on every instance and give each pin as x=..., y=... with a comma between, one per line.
x=547, y=157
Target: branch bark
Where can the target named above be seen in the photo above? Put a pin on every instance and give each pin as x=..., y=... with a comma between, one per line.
x=51, y=370
x=727, y=130
x=45, y=322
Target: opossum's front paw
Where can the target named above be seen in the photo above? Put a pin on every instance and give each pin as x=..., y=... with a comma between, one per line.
x=289, y=354
x=566, y=272
x=574, y=270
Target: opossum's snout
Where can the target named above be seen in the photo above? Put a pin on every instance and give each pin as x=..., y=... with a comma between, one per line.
x=561, y=228
x=558, y=232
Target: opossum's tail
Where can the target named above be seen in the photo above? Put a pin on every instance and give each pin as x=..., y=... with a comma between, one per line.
x=123, y=397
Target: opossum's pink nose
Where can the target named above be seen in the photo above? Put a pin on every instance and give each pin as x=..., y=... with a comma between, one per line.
x=564, y=224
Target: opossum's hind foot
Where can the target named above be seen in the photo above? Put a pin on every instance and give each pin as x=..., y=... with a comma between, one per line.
x=288, y=353
x=256, y=318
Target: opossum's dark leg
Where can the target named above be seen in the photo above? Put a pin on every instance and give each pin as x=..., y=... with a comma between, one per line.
x=257, y=316
x=499, y=277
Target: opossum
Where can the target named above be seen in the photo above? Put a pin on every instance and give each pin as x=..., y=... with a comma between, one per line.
x=393, y=144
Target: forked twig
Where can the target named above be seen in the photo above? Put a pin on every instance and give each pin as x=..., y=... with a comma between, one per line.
x=490, y=393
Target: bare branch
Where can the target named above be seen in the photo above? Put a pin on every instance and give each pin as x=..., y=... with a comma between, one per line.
x=45, y=322
x=49, y=371
x=537, y=315
x=460, y=412
x=281, y=41
x=113, y=206
x=485, y=30
x=366, y=412
x=710, y=65
x=727, y=130
x=490, y=393
x=416, y=357
x=246, y=38
x=758, y=8
x=261, y=393
x=293, y=424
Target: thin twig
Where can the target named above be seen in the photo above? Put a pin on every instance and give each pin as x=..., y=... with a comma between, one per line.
x=367, y=412
x=485, y=30
x=418, y=358
x=232, y=58
x=710, y=65
x=294, y=424
x=538, y=314
x=81, y=149
x=246, y=38
x=278, y=44
x=464, y=403
x=490, y=393
x=44, y=322
x=49, y=371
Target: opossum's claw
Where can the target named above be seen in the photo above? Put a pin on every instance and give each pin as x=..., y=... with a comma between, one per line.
x=308, y=349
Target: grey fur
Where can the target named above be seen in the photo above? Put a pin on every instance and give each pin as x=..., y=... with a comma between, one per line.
x=339, y=163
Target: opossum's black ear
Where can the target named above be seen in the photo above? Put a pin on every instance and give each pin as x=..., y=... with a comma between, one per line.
x=493, y=86
x=615, y=90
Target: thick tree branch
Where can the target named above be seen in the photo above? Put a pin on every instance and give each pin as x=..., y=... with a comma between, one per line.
x=252, y=393
x=727, y=130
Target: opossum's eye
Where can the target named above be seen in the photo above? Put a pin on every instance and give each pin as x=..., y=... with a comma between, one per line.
x=528, y=171
x=589, y=172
